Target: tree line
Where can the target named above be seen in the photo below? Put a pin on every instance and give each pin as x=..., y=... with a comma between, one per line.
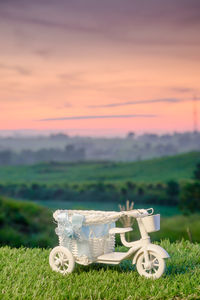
x=185, y=195
x=161, y=194
x=70, y=153
x=60, y=147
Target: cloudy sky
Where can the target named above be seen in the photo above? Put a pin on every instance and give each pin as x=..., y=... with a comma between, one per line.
x=99, y=67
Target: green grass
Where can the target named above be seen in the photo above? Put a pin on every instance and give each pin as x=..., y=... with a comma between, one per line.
x=25, y=274
x=156, y=170
x=180, y=227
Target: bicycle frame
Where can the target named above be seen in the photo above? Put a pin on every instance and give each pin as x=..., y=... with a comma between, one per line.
x=143, y=245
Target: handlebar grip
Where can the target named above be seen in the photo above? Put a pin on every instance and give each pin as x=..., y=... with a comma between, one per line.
x=139, y=213
x=152, y=211
x=142, y=213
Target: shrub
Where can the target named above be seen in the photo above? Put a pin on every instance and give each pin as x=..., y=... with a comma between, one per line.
x=190, y=198
x=27, y=224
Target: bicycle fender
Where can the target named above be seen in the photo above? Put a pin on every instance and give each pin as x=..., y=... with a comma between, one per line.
x=151, y=247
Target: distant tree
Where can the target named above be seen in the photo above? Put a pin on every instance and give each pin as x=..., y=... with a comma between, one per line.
x=147, y=145
x=5, y=157
x=184, y=139
x=59, y=136
x=70, y=149
x=190, y=198
x=159, y=186
x=172, y=192
x=71, y=153
x=150, y=186
x=58, y=193
x=140, y=191
x=26, y=157
x=130, y=185
x=172, y=188
x=197, y=172
x=110, y=186
x=124, y=191
x=35, y=186
x=100, y=186
x=167, y=149
x=150, y=137
x=165, y=137
x=131, y=135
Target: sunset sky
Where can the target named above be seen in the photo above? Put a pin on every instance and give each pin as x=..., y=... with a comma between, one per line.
x=99, y=68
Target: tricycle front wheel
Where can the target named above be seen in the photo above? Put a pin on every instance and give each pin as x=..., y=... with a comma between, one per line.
x=61, y=260
x=156, y=266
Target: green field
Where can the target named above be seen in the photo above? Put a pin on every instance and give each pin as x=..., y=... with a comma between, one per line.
x=25, y=274
x=178, y=167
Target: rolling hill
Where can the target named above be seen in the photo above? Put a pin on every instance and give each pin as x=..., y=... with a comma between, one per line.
x=25, y=223
x=177, y=167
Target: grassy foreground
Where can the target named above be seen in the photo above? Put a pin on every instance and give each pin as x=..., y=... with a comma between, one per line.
x=156, y=170
x=25, y=274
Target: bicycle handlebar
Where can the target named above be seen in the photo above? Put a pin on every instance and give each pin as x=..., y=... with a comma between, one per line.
x=139, y=213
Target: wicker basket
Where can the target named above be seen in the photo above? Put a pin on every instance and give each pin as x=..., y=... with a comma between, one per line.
x=151, y=223
x=92, y=217
x=94, y=246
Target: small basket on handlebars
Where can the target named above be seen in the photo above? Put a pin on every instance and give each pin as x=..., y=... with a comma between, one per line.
x=151, y=223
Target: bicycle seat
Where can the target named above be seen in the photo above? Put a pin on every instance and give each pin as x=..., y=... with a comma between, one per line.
x=120, y=230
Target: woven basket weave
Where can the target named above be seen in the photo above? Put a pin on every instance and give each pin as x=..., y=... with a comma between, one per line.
x=95, y=246
x=93, y=217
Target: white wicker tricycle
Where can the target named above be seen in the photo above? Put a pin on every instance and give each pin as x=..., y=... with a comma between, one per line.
x=86, y=237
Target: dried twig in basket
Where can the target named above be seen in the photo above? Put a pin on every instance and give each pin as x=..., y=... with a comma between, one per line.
x=125, y=220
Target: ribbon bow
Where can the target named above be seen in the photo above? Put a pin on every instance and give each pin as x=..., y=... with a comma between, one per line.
x=70, y=229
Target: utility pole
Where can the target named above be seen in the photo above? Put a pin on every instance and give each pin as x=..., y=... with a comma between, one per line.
x=195, y=116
